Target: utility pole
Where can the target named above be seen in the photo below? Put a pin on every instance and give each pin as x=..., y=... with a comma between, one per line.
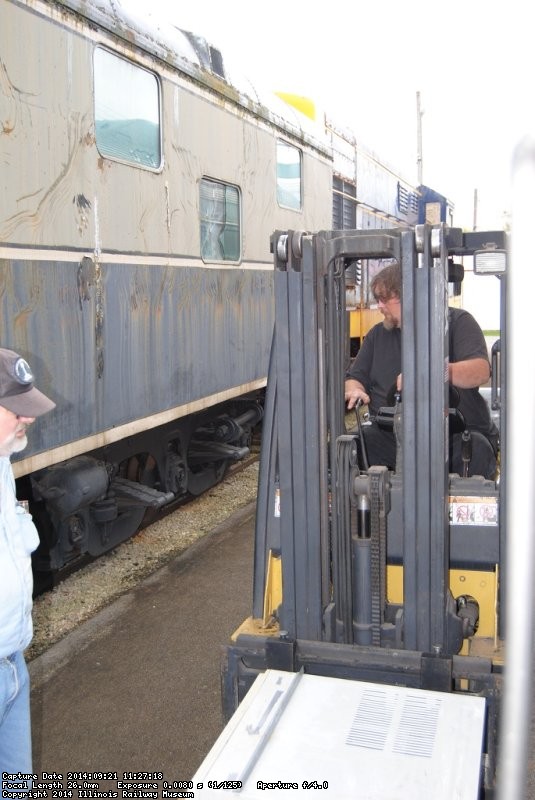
x=475, y=210
x=419, y=115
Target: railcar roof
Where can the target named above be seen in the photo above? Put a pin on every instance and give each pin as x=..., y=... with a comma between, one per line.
x=193, y=55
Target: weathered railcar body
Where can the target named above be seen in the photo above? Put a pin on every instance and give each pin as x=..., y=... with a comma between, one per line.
x=137, y=278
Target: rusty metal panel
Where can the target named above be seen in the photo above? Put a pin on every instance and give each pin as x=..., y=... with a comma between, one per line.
x=113, y=343
x=44, y=317
x=174, y=335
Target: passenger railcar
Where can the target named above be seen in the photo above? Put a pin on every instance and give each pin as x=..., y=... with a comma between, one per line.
x=139, y=190
x=141, y=181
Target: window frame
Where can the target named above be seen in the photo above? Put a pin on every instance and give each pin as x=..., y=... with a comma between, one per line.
x=278, y=188
x=225, y=223
x=106, y=153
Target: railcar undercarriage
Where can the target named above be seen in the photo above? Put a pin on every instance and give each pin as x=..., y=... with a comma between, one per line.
x=88, y=505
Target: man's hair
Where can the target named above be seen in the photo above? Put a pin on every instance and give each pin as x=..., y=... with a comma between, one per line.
x=387, y=282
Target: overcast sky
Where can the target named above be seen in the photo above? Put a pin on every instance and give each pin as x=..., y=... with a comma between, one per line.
x=364, y=62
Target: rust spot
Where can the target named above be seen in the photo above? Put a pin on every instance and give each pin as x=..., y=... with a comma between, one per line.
x=86, y=278
x=81, y=201
x=82, y=211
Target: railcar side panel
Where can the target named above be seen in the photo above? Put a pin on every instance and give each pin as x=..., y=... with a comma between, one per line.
x=45, y=312
x=104, y=289
x=189, y=332
x=134, y=341
x=62, y=190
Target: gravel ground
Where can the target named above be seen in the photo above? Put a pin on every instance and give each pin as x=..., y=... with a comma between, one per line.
x=57, y=612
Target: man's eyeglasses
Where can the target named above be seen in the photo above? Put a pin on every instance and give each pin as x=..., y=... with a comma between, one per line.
x=384, y=298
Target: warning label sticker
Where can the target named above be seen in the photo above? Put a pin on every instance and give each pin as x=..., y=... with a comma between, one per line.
x=473, y=510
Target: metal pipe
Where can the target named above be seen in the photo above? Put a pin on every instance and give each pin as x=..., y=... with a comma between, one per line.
x=516, y=709
x=362, y=590
x=361, y=558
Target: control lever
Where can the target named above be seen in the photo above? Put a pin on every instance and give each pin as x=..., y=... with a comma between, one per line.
x=363, y=449
x=398, y=429
x=466, y=451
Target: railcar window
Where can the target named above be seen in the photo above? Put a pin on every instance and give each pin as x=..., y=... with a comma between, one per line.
x=344, y=204
x=220, y=221
x=289, y=190
x=127, y=111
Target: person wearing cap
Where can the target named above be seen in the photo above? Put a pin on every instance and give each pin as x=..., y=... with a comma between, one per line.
x=20, y=404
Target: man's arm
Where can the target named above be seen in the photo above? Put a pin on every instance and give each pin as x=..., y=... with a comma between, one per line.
x=469, y=374
x=469, y=364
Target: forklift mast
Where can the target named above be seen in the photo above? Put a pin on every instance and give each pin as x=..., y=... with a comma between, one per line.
x=312, y=494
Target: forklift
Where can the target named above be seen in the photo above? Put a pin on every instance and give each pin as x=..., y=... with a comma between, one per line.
x=372, y=663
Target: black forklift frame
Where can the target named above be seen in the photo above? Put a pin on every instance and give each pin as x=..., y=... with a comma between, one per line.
x=309, y=483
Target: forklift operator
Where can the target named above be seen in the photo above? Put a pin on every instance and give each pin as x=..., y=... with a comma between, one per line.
x=377, y=369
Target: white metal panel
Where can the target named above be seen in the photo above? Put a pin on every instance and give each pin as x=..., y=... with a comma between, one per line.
x=294, y=734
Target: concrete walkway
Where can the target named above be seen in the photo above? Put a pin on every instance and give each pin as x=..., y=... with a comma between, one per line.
x=137, y=687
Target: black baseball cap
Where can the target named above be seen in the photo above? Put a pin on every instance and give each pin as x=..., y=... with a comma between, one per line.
x=17, y=392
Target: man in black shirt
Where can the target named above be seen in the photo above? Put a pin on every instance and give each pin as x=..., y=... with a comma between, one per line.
x=377, y=368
